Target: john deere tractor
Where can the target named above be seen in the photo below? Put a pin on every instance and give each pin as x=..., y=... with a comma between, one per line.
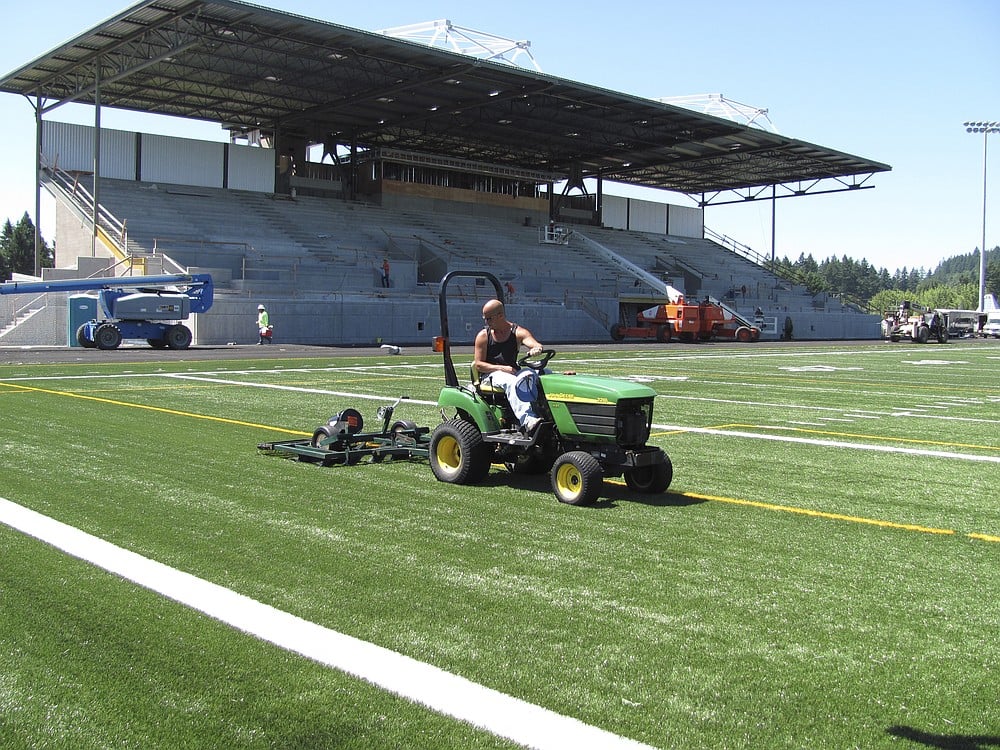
x=592, y=427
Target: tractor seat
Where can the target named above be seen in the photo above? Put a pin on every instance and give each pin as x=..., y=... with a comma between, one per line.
x=492, y=394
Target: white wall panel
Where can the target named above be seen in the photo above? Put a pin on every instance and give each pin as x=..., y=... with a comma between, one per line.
x=251, y=168
x=614, y=212
x=181, y=161
x=647, y=216
x=71, y=147
x=686, y=221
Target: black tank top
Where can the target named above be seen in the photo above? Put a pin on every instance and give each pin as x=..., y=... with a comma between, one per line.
x=502, y=353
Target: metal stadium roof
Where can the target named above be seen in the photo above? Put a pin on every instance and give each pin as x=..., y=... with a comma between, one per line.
x=250, y=67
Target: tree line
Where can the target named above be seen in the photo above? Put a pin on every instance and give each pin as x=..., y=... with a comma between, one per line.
x=17, y=249
x=953, y=284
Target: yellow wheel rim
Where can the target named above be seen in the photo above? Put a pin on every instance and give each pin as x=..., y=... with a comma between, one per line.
x=569, y=481
x=449, y=453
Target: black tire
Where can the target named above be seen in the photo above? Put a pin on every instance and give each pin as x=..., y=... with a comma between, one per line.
x=178, y=337
x=81, y=338
x=402, y=425
x=340, y=449
x=651, y=480
x=617, y=332
x=458, y=454
x=942, y=336
x=922, y=335
x=322, y=433
x=744, y=335
x=107, y=336
x=663, y=334
x=157, y=343
x=577, y=478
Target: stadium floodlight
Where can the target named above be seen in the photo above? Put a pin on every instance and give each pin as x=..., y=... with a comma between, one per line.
x=985, y=128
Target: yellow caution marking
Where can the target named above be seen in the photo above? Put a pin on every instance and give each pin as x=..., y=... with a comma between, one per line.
x=158, y=409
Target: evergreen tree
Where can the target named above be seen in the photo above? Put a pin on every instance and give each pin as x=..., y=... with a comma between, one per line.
x=17, y=248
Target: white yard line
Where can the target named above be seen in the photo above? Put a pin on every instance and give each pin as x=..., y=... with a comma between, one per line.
x=503, y=715
x=829, y=443
x=296, y=388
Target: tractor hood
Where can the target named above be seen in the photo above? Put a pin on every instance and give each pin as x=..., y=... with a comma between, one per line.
x=590, y=389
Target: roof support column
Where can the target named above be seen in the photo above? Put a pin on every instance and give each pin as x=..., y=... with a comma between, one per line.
x=38, y=186
x=600, y=200
x=353, y=171
x=97, y=154
x=774, y=201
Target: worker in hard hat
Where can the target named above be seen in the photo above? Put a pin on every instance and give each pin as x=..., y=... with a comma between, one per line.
x=263, y=325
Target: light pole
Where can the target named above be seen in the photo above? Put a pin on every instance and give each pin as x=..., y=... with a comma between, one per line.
x=985, y=128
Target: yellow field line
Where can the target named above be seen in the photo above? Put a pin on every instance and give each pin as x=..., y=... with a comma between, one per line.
x=158, y=409
x=838, y=516
x=697, y=496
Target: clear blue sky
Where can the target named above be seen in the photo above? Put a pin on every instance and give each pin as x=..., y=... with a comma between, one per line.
x=889, y=80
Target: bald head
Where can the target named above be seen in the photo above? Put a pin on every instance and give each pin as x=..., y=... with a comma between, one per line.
x=491, y=309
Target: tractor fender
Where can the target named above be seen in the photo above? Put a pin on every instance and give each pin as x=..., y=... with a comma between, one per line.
x=468, y=403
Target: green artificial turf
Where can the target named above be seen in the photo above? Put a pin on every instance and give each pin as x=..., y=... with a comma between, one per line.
x=789, y=590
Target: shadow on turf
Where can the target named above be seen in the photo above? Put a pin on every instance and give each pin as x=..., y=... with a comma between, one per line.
x=945, y=741
x=611, y=493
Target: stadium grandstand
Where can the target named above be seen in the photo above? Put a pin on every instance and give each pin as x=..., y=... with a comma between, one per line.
x=350, y=148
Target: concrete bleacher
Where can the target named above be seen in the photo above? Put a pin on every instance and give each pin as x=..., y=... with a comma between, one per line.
x=700, y=267
x=262, y=242
x=317, y=262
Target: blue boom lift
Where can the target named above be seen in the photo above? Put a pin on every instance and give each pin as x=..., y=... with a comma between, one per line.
x=136, y=307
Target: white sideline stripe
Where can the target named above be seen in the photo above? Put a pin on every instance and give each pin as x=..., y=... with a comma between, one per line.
x=296, y=388
x=831, y=443
x=503, y=715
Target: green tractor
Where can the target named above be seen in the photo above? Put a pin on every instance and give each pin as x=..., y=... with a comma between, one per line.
x=591, y=428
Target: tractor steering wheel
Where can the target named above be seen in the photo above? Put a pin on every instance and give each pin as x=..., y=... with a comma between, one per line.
x=537, y=362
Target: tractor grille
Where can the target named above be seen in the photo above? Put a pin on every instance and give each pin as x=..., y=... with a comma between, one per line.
x=627, y=422
x=594, y=419
x=634, y=417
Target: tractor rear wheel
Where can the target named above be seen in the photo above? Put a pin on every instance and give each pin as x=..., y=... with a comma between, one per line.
x=617, y=332
x=651, y=480
x=577, y=478
x=663, y=334
x=922, y=335
x=458, y=454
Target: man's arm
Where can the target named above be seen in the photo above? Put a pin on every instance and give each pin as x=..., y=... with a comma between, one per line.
x=528, y=341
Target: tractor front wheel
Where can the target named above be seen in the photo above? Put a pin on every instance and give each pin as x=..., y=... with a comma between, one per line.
x=458, y=454
x=651, y=480
x=577, y=478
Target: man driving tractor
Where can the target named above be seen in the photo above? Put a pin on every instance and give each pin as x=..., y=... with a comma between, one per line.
x=497, y=347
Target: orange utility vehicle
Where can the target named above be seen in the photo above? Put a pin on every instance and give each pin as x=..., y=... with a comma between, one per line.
x=677, y=319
